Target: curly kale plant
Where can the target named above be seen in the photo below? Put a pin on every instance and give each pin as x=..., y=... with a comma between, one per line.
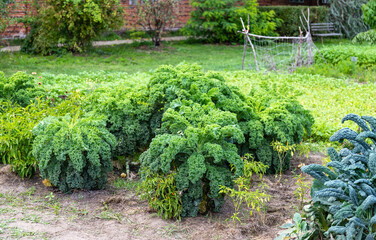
x=199, y=142
x=347, y=190
x=128, y=118
x=19, y=88
x=73, y=153
x=263, y=116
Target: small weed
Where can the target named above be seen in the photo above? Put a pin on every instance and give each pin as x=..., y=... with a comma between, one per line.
x=50, y=197
x=302, y=189
x=122, y=183
x=19, y=233
x=108, y=214
x=6, y=210
x=170, y=230
x=29, y=193
x=33, y=218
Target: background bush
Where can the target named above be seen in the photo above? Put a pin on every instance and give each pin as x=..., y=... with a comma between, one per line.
x=369, y=13
x=289, y=15
x=218, y=21
x=368, y=37
x=74, y=24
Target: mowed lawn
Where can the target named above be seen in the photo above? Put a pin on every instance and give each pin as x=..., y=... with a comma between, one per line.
x=129, y=58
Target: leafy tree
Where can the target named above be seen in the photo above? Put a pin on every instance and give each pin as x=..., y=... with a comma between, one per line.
x=218, y=20
x=347, y=15
x=71, y=23
x=369, y=13
x=154, y=16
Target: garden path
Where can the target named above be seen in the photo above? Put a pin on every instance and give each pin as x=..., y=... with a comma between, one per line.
x=102, y=43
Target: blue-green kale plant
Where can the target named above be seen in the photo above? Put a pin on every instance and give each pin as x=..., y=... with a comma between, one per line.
x=74, y=152
x=345, y=189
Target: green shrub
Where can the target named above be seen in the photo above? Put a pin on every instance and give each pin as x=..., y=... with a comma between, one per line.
x=16, y=125
x=347, y=15
x=19, y=88
x=74, y=24
x=369, y=13
x=366, y=55
x=368, y=37
x=218, y=21
x=289, y=15
x=345, y=189
x=73, y=152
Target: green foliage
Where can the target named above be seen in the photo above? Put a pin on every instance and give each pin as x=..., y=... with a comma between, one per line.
x=16, y=138
x=255, y=200
x=283, y=151
x=218, y=20
x=366, y=55
x=73, y=152
x=346, y=192
x=368, y=37
x=128, y=117
x=299, y=229
x=369, y=13
x=161, y=193
x=198, y=141
x=289, y=16
x=344, y=69
x=347, y=15
x=301, y=189
x=205, y=124
x=19, y=88
x=74, y=24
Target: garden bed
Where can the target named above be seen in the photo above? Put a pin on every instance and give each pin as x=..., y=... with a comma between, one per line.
x=30, y=210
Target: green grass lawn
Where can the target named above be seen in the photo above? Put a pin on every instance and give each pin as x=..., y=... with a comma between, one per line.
x=129, y=58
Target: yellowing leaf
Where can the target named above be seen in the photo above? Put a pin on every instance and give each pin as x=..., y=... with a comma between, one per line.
x=47, y=183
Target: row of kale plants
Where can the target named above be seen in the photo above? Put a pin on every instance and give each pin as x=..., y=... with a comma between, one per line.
x=190, y=127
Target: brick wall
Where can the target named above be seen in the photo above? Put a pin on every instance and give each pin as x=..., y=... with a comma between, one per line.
x=19, y=31
x=289, y=2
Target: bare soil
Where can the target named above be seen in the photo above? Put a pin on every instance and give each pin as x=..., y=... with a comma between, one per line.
x=29, y=210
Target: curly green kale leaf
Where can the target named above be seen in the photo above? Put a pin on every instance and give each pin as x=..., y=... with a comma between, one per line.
x=199, y=142
x=74, y=153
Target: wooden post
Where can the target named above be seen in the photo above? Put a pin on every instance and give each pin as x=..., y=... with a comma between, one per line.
x=250, y=42
x=245, y=51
